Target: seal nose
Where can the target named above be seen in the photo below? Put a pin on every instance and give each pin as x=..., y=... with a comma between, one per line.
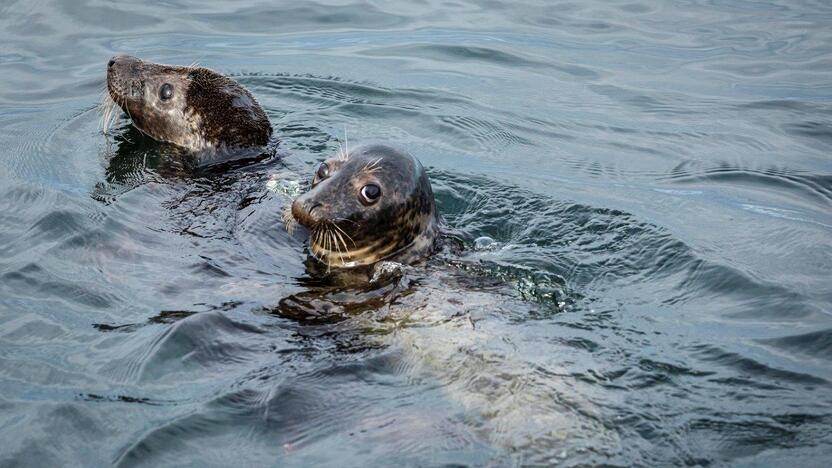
x=122, y=61
x=307, y=212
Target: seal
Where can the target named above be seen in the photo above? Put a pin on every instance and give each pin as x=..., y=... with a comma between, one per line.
x=192, y=107
x=370, y=204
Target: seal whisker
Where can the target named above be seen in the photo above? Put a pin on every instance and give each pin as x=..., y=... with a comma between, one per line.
x=372, y=166
x=340, y=153
x=375, y=163
x=328, y=248
x=335, y=244
x=107, y=107
x=313, y=240
x=346, y=144
x=343, y=153
x=318, y=244
x=103, y=108
x=341, y=253
x=343, y=243
x=319, y=238
x=347, y=220
x=341, y=231
x=289, y=220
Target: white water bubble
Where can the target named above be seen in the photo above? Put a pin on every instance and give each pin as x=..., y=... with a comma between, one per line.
x=485, y=243
x=386, y=269
x=285, y=186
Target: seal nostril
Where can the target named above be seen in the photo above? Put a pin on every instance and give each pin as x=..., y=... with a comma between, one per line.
x=111, y=62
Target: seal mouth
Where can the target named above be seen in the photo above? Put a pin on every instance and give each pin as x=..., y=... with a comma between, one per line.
x=333, y=246
x=329, y=242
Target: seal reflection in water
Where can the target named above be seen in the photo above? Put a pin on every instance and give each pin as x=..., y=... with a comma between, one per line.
x=371, y=204
x=192, y=107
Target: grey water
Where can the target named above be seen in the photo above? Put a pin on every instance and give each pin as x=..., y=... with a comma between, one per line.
x=640, y=196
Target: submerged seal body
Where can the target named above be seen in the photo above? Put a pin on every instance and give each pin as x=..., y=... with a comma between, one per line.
x=371, y=204
x=191, y=107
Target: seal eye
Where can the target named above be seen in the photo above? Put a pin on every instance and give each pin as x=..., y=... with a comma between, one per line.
x=370, y=194
x=166, y=91
x=323, y=171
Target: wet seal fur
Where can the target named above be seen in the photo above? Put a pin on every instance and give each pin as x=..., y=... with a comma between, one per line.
x=352, y=224
x=192, y=107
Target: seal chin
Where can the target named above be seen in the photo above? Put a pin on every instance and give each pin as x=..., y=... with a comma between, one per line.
x=330, y=247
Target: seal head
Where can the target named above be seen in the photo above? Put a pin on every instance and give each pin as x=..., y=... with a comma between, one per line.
x=374, y=203
x=192, y=107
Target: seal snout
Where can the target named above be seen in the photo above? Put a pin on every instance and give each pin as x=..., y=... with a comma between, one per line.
x=121, y=77
x=307, y=212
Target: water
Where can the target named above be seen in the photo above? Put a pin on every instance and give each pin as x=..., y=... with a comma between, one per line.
x=641, y=191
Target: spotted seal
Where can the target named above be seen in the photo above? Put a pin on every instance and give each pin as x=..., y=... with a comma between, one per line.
x=192, y=107
x=370, y=204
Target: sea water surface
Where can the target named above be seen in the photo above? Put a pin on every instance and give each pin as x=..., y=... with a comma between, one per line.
x=640, y=193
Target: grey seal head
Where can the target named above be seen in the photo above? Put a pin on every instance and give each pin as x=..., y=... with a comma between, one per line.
x=371, y=204
x=192, y=107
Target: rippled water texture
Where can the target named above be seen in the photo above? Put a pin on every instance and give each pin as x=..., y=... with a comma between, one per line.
x=638, y=206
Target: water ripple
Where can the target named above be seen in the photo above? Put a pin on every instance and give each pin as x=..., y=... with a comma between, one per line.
x=633, y=270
